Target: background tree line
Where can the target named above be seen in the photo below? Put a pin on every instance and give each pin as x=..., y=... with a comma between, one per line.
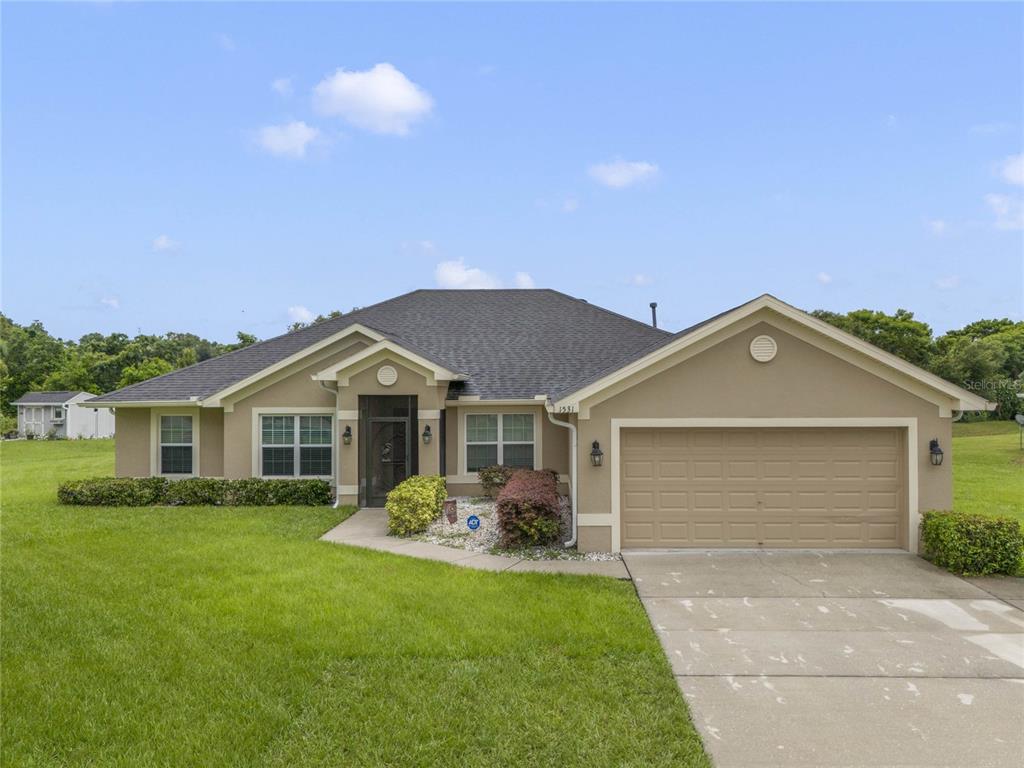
x=31, y=359
x=986, y=356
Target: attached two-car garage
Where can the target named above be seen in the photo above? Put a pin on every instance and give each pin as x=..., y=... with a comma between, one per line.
x=763, y=487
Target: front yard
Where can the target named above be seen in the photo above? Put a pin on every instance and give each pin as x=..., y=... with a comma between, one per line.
x=988, y=469
x=221, y=636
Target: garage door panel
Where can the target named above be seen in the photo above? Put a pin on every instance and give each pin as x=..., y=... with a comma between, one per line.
x=762, y=487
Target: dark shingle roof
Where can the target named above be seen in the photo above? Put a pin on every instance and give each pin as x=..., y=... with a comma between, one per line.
x=509, y=344
x=46, y=398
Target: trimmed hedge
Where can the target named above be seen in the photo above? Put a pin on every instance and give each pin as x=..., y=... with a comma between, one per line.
x=415, y=503
x=528, y=509
x=193, y=491
x=973, y=544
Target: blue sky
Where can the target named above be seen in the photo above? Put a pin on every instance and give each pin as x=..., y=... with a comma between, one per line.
x=214, y=168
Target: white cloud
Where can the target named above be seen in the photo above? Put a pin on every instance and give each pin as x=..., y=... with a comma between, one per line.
x=570, y=205
x=618, y=174
x=640, y=279
x=948, y=283
x=281, y=86
x=991, y=129
x=227, y=43
x=299, y=314
x=455, y=274
x=381, y=99
x=937, y=226
x=1009, y=212
x=1012, y=170
x=111, y=301
x=823, y=277
x=524, y=280
x=289, y=140
x=164, y=243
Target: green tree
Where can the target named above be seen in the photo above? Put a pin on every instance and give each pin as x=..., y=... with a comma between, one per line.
x=899, y=333
x=147, y=369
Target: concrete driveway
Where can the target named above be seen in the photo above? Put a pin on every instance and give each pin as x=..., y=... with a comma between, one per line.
x=829, y=659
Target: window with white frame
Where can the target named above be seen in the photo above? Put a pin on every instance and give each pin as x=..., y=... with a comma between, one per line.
x=499, y=438
x=176, y=445
x=295, y=446
x=58, y=412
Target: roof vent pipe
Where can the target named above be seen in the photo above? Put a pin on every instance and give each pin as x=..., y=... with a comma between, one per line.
x=654, y=314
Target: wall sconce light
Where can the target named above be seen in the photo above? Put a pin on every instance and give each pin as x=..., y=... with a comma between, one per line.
x=935, y=451
x=346, y=436
x=596, y=455
x=426, y=435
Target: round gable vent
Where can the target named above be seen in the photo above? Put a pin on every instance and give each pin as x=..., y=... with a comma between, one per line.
x=387, y=375
x=763, y=349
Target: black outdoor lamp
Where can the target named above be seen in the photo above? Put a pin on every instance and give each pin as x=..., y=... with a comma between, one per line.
x=935, y=452
x=346, y=436
x=596, y=455
x=426, y=435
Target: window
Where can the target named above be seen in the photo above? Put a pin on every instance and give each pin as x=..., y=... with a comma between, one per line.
x=493, y=438
x=295, y=446
x=58, y=412
x=175, y=445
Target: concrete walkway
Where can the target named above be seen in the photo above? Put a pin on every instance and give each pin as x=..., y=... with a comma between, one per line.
x=367, y=528
x=820, y=659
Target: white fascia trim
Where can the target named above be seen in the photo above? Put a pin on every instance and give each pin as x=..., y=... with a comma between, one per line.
x=910, y=424
x=967, y=401
x=154, y=438
x=349, y=364
x=465, y=400
x=214, y=400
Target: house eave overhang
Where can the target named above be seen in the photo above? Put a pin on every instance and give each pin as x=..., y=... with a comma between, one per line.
x=946, y=395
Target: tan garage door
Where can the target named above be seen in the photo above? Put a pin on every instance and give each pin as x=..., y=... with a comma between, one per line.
x=768, y=487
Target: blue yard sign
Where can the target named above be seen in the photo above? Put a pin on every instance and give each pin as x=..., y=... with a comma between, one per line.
x=473, y=522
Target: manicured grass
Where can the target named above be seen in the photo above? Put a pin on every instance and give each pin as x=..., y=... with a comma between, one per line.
x=232, y=637
x=988, y=469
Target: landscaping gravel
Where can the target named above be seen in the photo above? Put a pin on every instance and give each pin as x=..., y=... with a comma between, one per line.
x=486, y=537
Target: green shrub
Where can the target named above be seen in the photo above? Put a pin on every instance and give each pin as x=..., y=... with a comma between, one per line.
x=193, y=491
x=197, y=491
x=415, y=503
x=528, y=509
x=493, y=479
x=114, y=492
x=973, y=544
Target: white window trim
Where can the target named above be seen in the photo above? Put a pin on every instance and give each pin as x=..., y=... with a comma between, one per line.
x=154, y=440
x=257, y=441
x=58, y=412
x=463, y=447
x=913, y=456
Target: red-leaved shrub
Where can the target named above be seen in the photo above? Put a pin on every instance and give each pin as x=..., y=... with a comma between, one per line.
x=528, y=509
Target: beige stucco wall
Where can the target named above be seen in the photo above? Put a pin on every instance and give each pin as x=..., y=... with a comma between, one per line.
x=211, y=442
x=131, y=442
x=725, y=381
x=295, y=389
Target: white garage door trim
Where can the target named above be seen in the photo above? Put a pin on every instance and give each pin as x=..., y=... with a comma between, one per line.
x=617, y=425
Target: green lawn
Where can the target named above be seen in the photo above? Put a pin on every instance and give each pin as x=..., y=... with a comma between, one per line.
x=988, y=468
x=232, y=637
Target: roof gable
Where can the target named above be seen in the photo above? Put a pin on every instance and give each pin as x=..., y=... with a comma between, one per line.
x=880, y=362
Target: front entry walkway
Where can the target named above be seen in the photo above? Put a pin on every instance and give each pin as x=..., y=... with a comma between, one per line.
x=368, y=528
x=839, y=659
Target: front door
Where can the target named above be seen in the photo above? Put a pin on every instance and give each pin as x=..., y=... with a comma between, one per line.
x=387, y=426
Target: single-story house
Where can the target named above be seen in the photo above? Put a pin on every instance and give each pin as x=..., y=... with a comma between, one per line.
x=760, y=427
x=62, y=414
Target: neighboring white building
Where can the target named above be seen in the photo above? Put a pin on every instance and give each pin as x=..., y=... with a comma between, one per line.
x=62, y=414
